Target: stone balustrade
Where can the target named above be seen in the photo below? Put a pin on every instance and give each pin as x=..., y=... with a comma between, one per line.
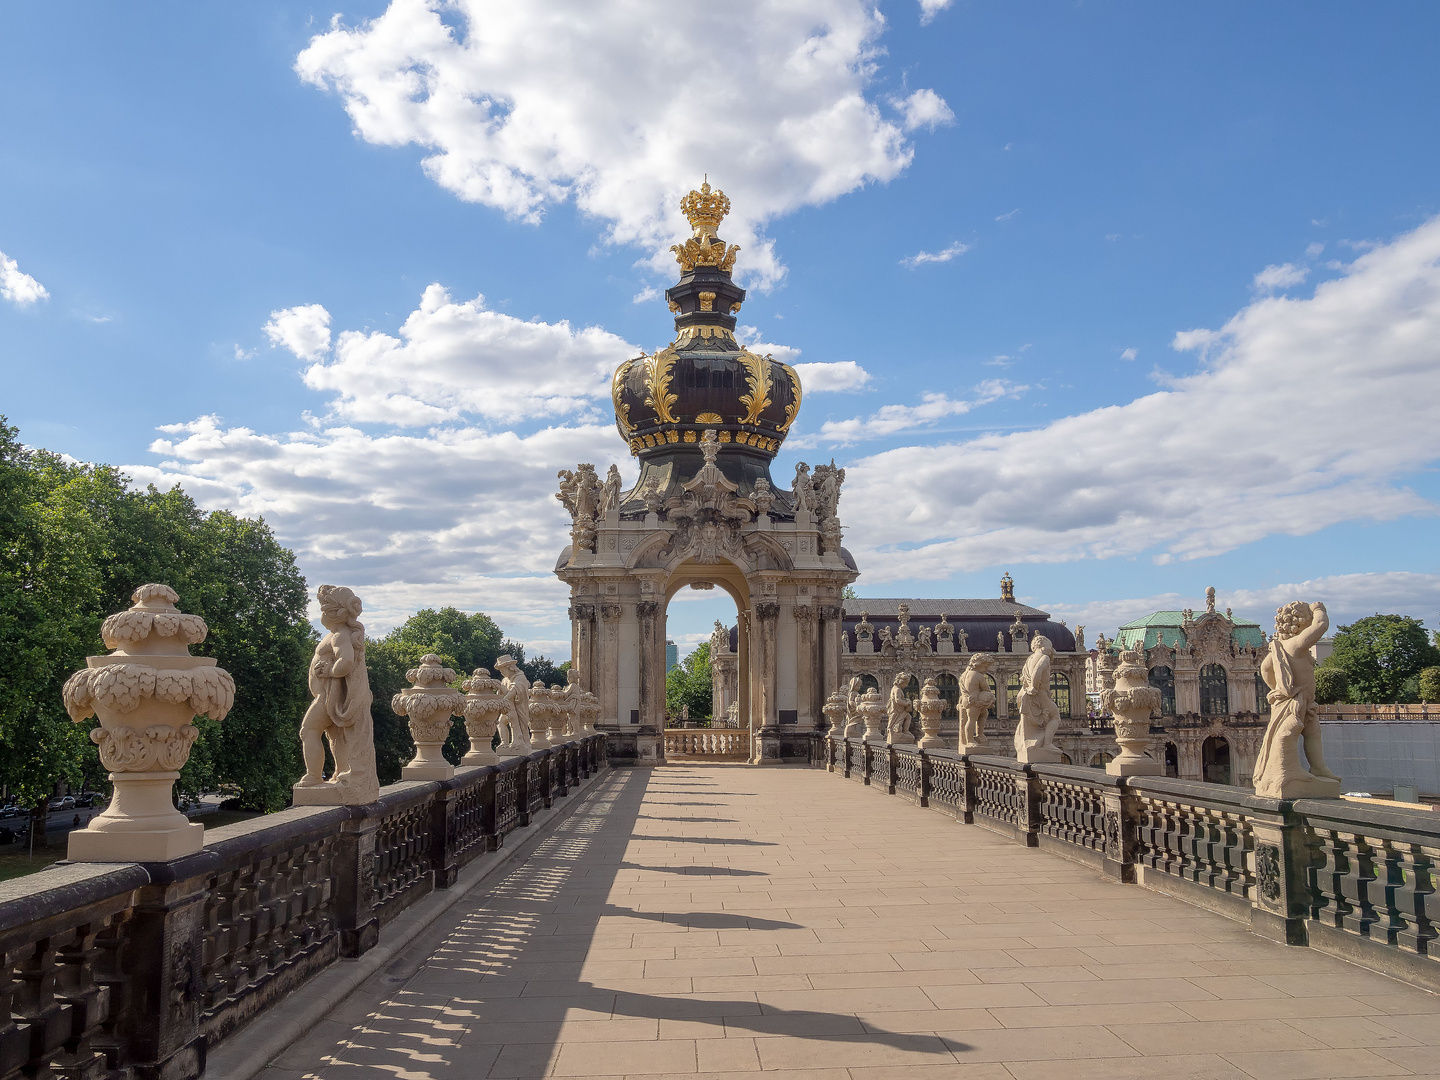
x=717, y=743
x=1354, y=880
x=138, y=969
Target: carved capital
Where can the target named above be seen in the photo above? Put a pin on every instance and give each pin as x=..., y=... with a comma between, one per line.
x=611, y=612
x=647, y=609
x=582, y=611
x=830, y=611
x=768, y=610
x=803, y=612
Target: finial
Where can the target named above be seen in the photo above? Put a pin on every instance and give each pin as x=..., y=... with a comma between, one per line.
x=705, y=209
x=1007, y=588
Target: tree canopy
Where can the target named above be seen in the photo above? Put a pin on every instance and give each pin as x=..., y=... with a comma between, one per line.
x=75, y=542
x=1381, y=657
x=688, y=683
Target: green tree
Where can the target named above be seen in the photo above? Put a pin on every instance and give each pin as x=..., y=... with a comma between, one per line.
x=688, y=683
x=1331, y=685
x=1382, y=656
x=1430, y=684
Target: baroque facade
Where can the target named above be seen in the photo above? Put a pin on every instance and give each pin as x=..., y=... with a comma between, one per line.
x=1213, y=707
x=704, y=417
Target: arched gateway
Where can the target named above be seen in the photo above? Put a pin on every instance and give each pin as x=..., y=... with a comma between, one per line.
x=705, y=416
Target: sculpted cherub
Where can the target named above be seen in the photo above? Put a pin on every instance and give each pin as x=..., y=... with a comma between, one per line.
x=1289, y=670
x=976, y=697
x=340, y=712
x=898, y=711
x=516, y=692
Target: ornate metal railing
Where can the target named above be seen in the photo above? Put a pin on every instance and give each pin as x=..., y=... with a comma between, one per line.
x=136, y=970
x=708, y=743
x=1356, y=880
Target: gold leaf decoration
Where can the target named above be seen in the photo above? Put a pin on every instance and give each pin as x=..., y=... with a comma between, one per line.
x=658, y=369
x=757, y=373
x=622, y=411
x=793, y=409
x=709, y=418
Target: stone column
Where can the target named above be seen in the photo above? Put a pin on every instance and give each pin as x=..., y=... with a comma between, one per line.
x=831, y=625
x=806, y=679
x=767, y=613
x=743, y=668
x=651, y=680
x=607, y=664
x=582, y=644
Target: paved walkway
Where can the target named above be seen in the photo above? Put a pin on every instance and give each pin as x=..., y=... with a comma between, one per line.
x=718, y=921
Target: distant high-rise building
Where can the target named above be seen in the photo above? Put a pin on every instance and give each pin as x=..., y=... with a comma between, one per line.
x=672, y=655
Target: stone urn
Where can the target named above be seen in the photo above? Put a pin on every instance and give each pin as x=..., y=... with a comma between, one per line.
x=932, y=705
x=483, y=706
x=1132, y=701
x=872, y=710
x=834, y=709
x=541, y=714
x=589, y=710
x=429, y=703
x=145, y=693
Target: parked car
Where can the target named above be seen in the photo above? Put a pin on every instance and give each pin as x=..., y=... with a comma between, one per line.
x=10, y=810
x=65, y=803
x=87, y=799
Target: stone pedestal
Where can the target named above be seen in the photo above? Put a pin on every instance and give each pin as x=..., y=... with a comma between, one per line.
x=141, y=822
x=1039, y=755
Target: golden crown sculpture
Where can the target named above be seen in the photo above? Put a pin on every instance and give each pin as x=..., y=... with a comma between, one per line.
x=705, y=209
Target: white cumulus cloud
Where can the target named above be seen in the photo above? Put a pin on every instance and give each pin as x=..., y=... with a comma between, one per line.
x=17, y=286
x=930, y=8
x=1304, y=413
x=924, y=108
x=920, y=258
x=622, y=107
x=1279, y=277
x=893, y=419
x=839, y=375
x=454, y=359
x=304, y=330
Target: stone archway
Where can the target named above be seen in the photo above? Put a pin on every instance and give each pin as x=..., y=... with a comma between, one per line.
x=1215, y=759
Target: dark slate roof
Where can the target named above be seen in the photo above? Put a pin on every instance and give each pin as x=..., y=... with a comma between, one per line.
x=965, y=609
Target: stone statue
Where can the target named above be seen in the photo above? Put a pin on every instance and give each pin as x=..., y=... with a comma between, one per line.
x=762, y=496
x=719, y=639
x=515, y=689
x=1080, y=637
x=932, y=706
x=904, y=636
x=923, y=640
x=1039, y=717
x=961, y=640
x=976, y=697
x=1289, y=670
x=341, y=709
x=580, y=494
x=854, y=717
x=999, y=640
x=610, y=490
x=429, y=702
x=886, y=639
x=1131, y=702
x=145, y=695
x=897, y=709
x=803, y=489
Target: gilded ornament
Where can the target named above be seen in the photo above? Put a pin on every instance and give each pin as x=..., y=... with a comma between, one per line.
x=658, y=369
x=757, y=372
x=689, y=436
x=705, y=209
x=707, y=301
x=793, y=409
x=622, y=411
x=735, y=308
x=724, y=436
x=709, y=418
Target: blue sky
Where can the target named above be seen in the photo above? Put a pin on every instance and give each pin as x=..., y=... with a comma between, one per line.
x=1093, y=179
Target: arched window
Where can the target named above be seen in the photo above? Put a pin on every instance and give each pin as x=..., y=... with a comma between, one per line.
x=1214, y=691
x=912, y=694
x=949, y=687
x=1262, y=696
x=869, y=682
x=1012, y=694
x=1060, y=691
x=1163, y=679
x=1065, y=759
x=1101, y=759
x=990, y=681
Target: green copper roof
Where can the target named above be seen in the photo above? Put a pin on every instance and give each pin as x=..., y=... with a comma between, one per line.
x=1164, y=627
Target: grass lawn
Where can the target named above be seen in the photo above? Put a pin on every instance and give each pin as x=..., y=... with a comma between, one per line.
x=16, y=862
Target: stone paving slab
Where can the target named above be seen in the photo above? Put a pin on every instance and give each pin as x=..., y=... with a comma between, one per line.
x=712, y=922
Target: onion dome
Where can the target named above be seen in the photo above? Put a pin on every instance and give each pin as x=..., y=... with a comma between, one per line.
x=705, y=379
